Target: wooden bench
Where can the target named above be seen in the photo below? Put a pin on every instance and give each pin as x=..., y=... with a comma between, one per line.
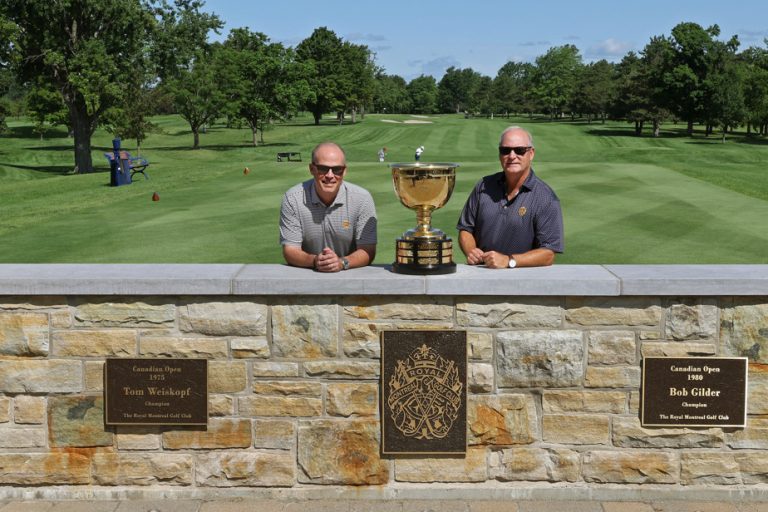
x=135, y=163
x=291, y=156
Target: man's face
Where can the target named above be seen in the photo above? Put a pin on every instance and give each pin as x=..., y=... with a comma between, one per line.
x=329, y=161
x=512, y=163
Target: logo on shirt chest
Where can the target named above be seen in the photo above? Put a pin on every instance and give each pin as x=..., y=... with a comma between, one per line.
x=522, y=211
x=345, y=224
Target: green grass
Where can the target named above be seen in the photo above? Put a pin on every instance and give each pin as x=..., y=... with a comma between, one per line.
x=626, y=199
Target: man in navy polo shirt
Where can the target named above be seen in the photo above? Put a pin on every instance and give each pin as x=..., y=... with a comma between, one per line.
x=512, y=218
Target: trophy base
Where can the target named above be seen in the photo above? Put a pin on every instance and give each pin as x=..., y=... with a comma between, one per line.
x=429, y=256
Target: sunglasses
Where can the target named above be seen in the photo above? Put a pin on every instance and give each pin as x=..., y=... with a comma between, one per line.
x=337, y=170
x=519, y=150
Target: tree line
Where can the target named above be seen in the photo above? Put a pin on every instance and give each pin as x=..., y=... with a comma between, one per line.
x=115, y=63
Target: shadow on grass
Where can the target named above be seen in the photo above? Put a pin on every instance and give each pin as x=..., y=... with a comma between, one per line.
x=223, y=147
x=50, y=169
x=630, y=132
x=28, y=132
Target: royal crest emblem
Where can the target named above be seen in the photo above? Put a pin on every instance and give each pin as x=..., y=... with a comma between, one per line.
x=425, y=393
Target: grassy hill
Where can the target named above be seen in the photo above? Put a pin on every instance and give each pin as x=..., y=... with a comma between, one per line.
x=626, y=199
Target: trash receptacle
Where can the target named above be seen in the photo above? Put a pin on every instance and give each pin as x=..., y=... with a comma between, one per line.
x=119, y=168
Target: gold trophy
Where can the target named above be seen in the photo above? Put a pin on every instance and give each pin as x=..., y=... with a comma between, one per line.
x=424, y=187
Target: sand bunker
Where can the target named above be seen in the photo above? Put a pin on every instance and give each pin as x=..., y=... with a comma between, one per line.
x=414, y=121
x=389, y=121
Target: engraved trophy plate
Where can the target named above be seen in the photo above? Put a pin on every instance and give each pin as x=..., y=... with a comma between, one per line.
x=424, y=392
x=424, y=187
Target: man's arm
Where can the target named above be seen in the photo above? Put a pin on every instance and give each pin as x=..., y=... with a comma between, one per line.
x=295, y=256
x=533, y=258
x=469, y=247
x=328, y=261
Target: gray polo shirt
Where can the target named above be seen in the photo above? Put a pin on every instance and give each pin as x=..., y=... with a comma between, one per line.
x=349, y=222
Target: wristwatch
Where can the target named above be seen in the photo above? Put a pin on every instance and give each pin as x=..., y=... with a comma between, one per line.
x=512, y=262
x=344, y=264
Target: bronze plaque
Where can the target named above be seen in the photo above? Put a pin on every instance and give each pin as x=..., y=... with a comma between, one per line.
x=424, y=392
x=694, y=392
x=156, y=392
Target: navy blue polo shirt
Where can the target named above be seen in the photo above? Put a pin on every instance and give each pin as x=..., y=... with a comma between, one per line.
x=531, y=220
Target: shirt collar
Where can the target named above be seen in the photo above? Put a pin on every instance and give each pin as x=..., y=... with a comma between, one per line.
x=339, y=199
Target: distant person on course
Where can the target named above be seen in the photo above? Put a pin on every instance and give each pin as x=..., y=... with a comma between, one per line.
x=325, y=223
x=382, y=154
x=512, y=218
x=419, y=151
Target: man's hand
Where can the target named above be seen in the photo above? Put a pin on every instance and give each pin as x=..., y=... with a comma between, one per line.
x=327, y=261
x=475, y=256
x=493, y=259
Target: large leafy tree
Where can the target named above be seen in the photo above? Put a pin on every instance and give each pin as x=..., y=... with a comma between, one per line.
x=555, y=76
x=595, y=90
x=457, y=89
x=262, y=80
x=422, y=91
x=391, y=94
x=755, y=61
x=84, y=49
x=341, y=74
x=511, y=87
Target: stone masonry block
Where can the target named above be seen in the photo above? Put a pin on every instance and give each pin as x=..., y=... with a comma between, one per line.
x=471, y=468
x=540, y=358
x=223, y=318
x=183, y=347
x=245, y=469
x=480, y=345
x=341, y=452
x=614, y=402
x=744, y=328
x=677, y=349
x=758, y=389
x=279, y=406
x=576, y=428
x=754, y=436
x=486, y=312
x=352, y=399
x=342, y=370
x=222, y=433
x=16, y=438
x=24, y=334
x=44, y=469
x=692, y=319
x=254, y=347
x=288, y=388
x=631, y=467
x=620, y=311
x=77, y=421
x=221, y=405
x=142, y=469
x=406, y=308
x=41, y=376
x=103, y=312
x=29, y=410
x=535, y=464
x=613, y=377
x=703, y=468
x=275, y=369
x=612, y=347
x=5, y=409
x=98, y=343
x=274, y=434
x=627, y=433
x=307, y=328
x=227, y=376
x=500, y=420
x=94, y=376
x=480, y=378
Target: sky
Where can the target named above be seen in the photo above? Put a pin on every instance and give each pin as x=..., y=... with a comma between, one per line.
x=414, y=37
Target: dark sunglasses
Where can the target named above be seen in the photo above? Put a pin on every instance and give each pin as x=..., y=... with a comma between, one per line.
x=337, y=170
x=519, y=150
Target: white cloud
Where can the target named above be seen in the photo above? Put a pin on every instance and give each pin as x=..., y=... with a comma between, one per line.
x=610, y=48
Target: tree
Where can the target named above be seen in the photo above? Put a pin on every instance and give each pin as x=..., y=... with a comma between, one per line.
x=422, y=91
x=595, y=90
x=391, y=94
x=46, y=107
x=483, y=99
x=197, y=94
x=341, y=74
x=82, y=48
x=511, y=87
x=456, y=90
x=724, y=88
x=756, y=88
x=554, y=78
x=261, y=80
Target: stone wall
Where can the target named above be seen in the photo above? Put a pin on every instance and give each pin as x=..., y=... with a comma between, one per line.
x=294, y=396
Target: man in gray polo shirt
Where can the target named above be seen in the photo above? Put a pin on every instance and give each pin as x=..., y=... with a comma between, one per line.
x=326, y=223
x=512, y=218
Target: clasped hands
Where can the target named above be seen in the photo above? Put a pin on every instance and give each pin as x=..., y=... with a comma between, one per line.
x=490, y=259
x=327, y=261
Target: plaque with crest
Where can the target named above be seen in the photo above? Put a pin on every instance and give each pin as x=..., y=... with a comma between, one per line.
x=424, y=392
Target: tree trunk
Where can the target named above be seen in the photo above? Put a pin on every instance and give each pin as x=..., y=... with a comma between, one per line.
x=82, y=131
x=689, y=129
x=254, y=133
x=354, y=114
x=196, y=135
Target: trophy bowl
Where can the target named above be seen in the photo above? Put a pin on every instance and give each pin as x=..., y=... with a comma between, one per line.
x=424, y=187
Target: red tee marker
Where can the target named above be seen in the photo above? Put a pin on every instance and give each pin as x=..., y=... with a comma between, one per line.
x=246, y=171
x=155, y=196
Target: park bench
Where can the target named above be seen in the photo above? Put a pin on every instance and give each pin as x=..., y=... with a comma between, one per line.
x=291, y=156
x=135, y=164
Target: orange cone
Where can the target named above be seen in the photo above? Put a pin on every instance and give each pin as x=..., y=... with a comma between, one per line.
x=246, y=171
x=155, y=196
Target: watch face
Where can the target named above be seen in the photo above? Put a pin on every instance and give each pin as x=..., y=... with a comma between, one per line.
x=344, y=263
